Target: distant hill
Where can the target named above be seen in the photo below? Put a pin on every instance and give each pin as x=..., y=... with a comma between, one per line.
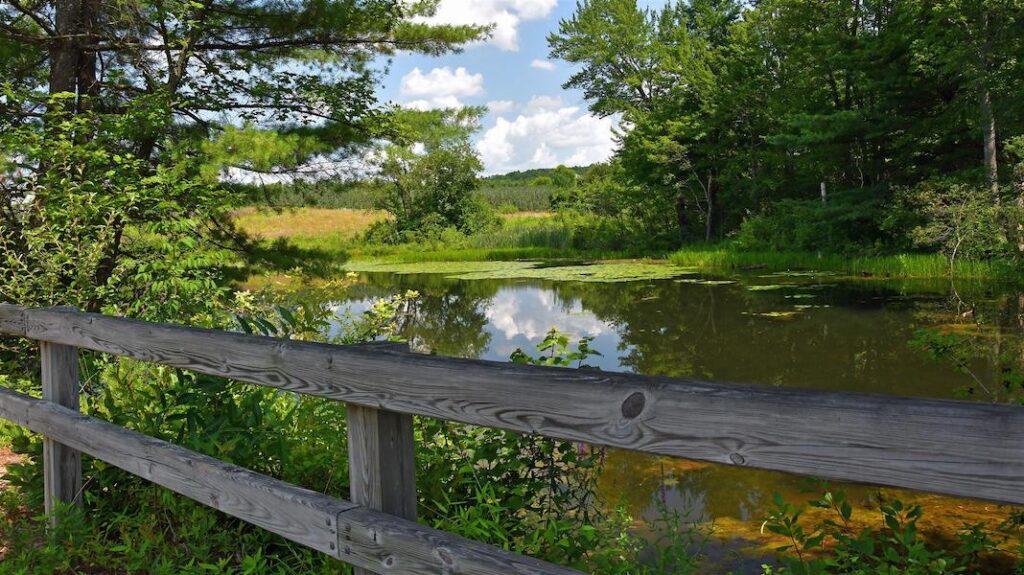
x=524, y=177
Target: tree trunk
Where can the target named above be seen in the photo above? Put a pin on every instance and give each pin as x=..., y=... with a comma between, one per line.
x=988, y=135
x=681, y=215
x=988, y=120
x=712, y=198
x=72, y=69
x=63, y=55
x=1019, y=216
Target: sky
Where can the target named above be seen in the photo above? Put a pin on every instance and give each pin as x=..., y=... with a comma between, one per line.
x=532, y=122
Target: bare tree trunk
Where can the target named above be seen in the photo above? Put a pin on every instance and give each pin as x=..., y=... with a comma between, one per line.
x=1019, y=216
x=988, y=119
x=988, y=135
x=681, y=215
x=711, y=195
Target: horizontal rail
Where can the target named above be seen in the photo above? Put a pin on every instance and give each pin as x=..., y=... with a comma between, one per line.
x=950, y=447
x=356, y=535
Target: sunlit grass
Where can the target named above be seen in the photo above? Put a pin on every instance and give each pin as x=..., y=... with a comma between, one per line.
x=334, y=234
x=908, y=266
x=306, y=222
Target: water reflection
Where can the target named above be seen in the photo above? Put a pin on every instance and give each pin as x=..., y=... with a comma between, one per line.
x=810, y=334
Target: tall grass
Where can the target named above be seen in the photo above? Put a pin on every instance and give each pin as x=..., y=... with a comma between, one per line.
x=909, y=266
x=542, y=232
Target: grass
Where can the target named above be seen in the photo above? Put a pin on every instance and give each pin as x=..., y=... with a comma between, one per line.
x=306, y=222
x=903, y=266
x=330, y=236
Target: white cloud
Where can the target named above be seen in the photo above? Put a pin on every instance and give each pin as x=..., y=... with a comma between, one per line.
x=440, y=88
x=546, y=133
x=501, y=106
x=504, y=15
x=532, y=312
x=436, y=103
x=543, y=65
x=442, y=82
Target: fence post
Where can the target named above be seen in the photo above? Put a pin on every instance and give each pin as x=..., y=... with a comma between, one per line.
x=382, y=462
x=62, y=466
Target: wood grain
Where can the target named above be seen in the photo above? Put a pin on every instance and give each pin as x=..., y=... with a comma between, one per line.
x=381, y=462
x=951, y=447
x=12, y=320
x=392, y=546
x=297, y=514
x=62, y=465
x=367, y=539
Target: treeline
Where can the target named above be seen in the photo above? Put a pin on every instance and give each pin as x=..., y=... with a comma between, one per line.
x=850, y=125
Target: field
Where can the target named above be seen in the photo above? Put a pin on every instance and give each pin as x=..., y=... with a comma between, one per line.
x=306, y=222
x=334, y=234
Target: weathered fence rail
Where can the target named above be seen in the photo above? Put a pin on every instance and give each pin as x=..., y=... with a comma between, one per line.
x=949, y=447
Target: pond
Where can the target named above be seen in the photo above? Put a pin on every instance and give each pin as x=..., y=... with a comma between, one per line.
x=816, y=332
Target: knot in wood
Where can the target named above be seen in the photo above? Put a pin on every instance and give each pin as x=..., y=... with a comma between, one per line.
x=633, y=405
x=445, y=556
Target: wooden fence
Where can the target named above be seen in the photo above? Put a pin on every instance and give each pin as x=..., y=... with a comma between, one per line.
x=949, y=447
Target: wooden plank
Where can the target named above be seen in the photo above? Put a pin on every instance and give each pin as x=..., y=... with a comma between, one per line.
x=952, y=447
x=385, y=544
x=297, y=514
x=362, y=537
x=12, y=319
x=62, y=465
x=382, y=462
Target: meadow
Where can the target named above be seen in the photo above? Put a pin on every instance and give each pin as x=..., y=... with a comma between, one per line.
x=335, y=234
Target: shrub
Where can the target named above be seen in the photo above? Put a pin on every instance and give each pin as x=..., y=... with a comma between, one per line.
x=848, y=223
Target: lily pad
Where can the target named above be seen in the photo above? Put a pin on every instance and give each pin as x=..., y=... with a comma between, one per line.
x=776, y=315
x=772, y=287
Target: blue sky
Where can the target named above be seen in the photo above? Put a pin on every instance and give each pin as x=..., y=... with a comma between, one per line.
x=533, y=122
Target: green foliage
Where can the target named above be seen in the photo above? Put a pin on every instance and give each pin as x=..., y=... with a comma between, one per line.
x=737, y=114
x=832, y=547
x=430, y=176
x=962, y=352
x=525, y=198
x=958, y=220
x=101, y=228
x=849, y=223
x=555, y=352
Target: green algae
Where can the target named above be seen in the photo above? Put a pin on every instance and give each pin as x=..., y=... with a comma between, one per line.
x=447, y=268
x=705, y=282
x=547, y=270
x=603, y=272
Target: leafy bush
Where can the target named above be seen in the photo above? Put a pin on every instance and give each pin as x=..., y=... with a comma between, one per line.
x=848, y=224
x=833, y=547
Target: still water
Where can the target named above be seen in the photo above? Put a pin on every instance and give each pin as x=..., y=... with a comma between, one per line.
x=818, y=333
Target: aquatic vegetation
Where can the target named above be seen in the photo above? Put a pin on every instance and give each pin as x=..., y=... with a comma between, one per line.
x=772, y=287
x=777, y=315
x=453, y=267
x=706, y=282
x=602, y=272
x=597, y=272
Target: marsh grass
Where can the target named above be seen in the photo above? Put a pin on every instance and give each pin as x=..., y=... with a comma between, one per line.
x=902, y=266
x=306, y=236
